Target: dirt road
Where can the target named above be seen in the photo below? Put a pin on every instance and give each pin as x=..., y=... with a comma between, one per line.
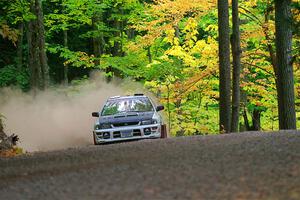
x=235, y=166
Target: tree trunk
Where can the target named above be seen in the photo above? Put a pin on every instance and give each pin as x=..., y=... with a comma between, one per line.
x=97, y=40
x=236, y=55
x=116, y=49
x=256, y=120
x=20, y=47
x=1, y=124
x=269, y=39
x=149, y=54
x=224, y=65
x=66, y=67
x=33, y=63
x=39, y=70
x=177, y=31
x=285, y=87
x=255, y=115
x=246, y=121
x=42, y=48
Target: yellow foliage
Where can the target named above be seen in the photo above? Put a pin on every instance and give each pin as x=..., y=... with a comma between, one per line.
x=250, y=3
x=211, y=27
x=168, y=14
x=170, y=36
x=11, y=152
x=9, y=33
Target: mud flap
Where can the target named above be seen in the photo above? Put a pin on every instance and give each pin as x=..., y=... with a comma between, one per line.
x=164, y=133
x=94, y=138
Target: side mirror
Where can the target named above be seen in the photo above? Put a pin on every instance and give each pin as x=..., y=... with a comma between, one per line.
x=159, y=108
x=95, y=114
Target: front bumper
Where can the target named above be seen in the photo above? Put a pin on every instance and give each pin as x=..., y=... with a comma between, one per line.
x=127, y=133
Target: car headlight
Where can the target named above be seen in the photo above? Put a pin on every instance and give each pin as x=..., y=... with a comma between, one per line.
x=96, y=127
x=154, y=121
x=147, y=122
x=104, y=126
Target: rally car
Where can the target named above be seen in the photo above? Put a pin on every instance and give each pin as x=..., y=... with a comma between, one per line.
x=128, y=118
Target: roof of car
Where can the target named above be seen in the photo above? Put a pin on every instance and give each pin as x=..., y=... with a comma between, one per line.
x=128, y=97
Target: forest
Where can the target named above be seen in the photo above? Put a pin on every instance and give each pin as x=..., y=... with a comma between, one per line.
x=216, y=65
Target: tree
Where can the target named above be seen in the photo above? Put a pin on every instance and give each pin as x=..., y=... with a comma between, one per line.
x=224, y=65
x=39, y=70
x=285, y=87
x=236, y=56
x=258, y=83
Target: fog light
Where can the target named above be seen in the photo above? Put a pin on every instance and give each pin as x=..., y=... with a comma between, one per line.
x=106, y=135
x=147, y=131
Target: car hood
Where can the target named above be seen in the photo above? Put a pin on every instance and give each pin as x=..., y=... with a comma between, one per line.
x=126, y=117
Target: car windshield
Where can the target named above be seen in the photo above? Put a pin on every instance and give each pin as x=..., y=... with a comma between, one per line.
x=116, y=106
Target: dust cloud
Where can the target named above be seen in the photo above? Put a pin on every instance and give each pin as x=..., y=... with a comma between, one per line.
x=60, y=117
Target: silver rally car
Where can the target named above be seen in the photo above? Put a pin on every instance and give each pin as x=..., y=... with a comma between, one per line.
x=127, y=118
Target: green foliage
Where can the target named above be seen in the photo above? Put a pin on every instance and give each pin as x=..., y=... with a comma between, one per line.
x=18, y=11
x=69, y=14
x=11, y=76
x=75, y=59
x=126, y=66
x=13, y=13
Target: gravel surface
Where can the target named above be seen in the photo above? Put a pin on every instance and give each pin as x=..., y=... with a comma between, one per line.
x=235, y=166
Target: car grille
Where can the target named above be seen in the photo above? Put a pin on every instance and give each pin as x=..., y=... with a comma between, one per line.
x=117, y=134
x=125, y=124
x=136, y=132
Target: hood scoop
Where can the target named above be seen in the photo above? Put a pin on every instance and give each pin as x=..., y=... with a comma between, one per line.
x=132, y=115
x=128, y=115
